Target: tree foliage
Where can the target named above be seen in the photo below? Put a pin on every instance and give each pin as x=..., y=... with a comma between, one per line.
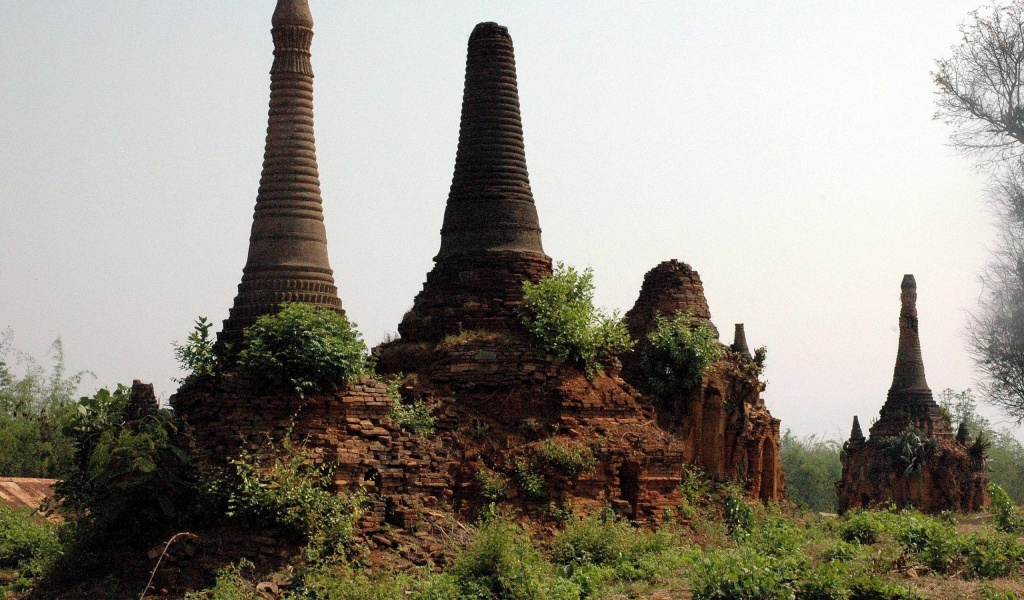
x=304, y=348
x=979, y=85
x=812, y=469
x=34, y=408
x=559, y=313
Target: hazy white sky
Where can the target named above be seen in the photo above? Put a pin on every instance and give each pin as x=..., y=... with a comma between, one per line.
x=784, y=149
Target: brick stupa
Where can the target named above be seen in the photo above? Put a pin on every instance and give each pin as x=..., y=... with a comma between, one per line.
x=944, y=473
x=490, y=239
x=287, y=259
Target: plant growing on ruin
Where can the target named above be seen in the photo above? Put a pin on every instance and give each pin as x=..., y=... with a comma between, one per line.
x=288, y=490
x=196, y=355
x=567, y=457
x=415, y=416
x=1008, y=518
x=304, y=348
x=559, y=313
x=909, y=450
x=680, y=352
x=493, y=486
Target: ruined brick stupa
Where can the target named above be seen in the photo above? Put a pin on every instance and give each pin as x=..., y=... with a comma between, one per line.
x=911, y=457
x=490, y=239
x=287, y=259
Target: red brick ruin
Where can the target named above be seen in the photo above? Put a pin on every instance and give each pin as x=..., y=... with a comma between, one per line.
x=498, y=400
x=911, y=457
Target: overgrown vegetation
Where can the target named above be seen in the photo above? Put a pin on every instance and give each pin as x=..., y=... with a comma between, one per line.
x=812, y=469
x=680, y=352
x=28, y=547
x=415, y=416
x=559, y=313
x=197, y=356
x=35, y=408
x=303, y=348
x=289, y=490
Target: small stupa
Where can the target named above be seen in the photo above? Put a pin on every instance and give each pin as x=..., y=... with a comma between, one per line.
x=911, y=457
x=287, y=259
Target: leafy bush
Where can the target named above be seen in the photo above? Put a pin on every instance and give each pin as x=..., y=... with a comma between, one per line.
x=294, y=493
x=197, y=355
x=875, y=588
x=529, y=482
x=990, y=556
x=694, y=492
x=568, y=458
x=740, y=574
x=501, y=562
x=739, y=516
x=304, y=348
x=493, y=486
x=415, y=416
x=28, y=545
x=680, y=352
x=909, y=450
x=937, y=544
x=1008, y=517
x=129, y=477
x=231, y=585
x=343, y=582
x=862, y=527
x=559, y=313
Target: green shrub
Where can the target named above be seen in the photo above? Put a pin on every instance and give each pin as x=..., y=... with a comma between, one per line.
x=909, y=450
x=304, y=348
x=493, y=486
x=568, y=458
x=694, y=492
x=501, y=562
x=1008, y=518
x=937, y=544
x=231, y=585
x=740, y=574
x=991, y=556
x=829, y=581
x=197, y=355
x=862, y=527
x=680, y=352
x=295, y=494
x=559, y=313
x=530, y=482
x=415, y=416
x=28, y=545
x=129, y=477
x=343, y=582
x=875, y=588
x=739, y=516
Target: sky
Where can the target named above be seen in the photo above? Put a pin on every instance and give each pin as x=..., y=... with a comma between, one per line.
x=785, y=150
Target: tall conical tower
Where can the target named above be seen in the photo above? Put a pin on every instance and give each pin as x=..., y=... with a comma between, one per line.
x=910, y=400
x=490, y=239
x=288, y=245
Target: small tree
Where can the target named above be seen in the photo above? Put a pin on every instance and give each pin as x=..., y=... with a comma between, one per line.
x=304, y=348
x=679, y=353
x=197, y=355
x=559, y=313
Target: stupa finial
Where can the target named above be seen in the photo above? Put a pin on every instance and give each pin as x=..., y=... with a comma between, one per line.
x=739, y=342
x=908, y=375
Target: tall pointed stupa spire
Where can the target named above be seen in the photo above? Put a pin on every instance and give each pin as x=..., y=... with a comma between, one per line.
x=909, y=402
x=490, y=204
x=490, y=239
x=908, y=376
x=287, y=259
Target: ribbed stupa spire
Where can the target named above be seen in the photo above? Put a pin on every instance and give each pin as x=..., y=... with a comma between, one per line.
x=739, y=342
x=490, y=239
x=910, y=400
x=287, y=259
x=490, y=204
x=908, y=376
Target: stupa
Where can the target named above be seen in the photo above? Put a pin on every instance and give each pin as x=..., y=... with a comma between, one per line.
x=287, y=259
x=911, y=457
x=490, y=238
